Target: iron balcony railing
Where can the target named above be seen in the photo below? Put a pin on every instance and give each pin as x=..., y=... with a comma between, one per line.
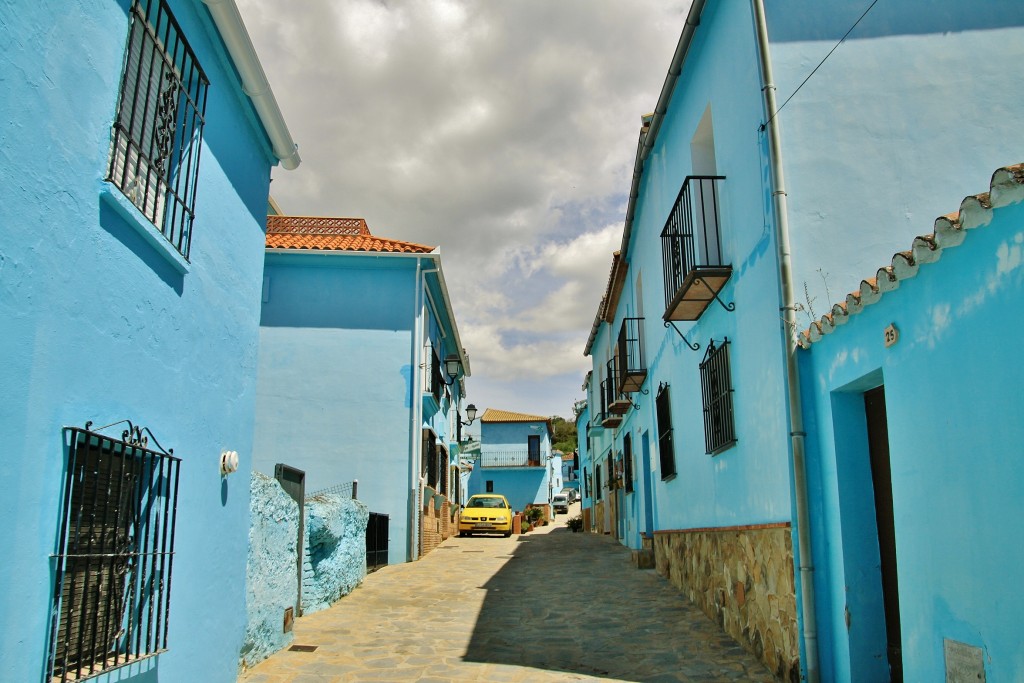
x=609, y=418
x=510, y=457
x=691, y=247
x=618, y=402
x=629, y=356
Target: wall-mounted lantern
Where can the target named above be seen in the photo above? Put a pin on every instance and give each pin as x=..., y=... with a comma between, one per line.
x=471, y=414
x=452, y=367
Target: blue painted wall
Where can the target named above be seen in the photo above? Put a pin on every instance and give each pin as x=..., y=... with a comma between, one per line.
x=918, y=85
x=98, y=325
x=953, y=407
x=748, y=483
x=336, y=373
x=521, y=485
x=341, y=391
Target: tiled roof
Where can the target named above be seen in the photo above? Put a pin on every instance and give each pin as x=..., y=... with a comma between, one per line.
x=492, y=415
x=332, y=234
x=609, y=301
x=1006, y=187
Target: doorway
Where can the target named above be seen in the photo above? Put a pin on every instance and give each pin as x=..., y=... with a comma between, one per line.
x=881, y=480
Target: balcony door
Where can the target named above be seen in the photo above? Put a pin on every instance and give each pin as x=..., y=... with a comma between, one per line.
x=702, y=159
x=533, y=450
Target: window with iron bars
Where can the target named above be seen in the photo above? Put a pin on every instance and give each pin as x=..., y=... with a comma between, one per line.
x=716, y=388
x=112, y=573
x=429, y=457
x=627, y=463
x=158, y=131
x=666, y=449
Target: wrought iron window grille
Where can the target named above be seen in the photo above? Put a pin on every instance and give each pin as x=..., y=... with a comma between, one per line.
x=716, y=391
x=112, y=569
x=666, y=447
x=157, y=135
x=627, y=463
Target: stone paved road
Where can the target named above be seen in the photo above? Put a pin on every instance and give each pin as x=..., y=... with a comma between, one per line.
x=550, y=605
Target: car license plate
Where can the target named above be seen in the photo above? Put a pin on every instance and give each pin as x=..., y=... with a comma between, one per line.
x=483, y=525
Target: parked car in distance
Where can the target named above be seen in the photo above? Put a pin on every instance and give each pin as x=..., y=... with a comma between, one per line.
x=486, y=513
x=560, y=502
x=571, y=494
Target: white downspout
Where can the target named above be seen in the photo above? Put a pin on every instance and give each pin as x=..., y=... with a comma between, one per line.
x=796, y=421
x=417, y=420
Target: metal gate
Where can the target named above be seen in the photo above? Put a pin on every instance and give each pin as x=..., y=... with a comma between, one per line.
x=377, y=541
x=293, y=481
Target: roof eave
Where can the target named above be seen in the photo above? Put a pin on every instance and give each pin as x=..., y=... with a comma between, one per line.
x=254, y=80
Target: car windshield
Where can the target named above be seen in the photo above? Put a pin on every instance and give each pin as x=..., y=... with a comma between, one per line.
x=478, y=502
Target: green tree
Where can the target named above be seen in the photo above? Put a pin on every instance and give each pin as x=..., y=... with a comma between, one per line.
x=564, y=434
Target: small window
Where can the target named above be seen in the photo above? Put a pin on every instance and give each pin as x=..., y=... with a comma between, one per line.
x=112, y=577
x=490, y=486
x=597, y=482
x=158, y=131
x=627, y=463
x=666, y=451
x=716, y=386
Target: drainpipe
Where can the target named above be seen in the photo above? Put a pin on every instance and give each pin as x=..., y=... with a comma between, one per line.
x=796, y=424
x=416, y=447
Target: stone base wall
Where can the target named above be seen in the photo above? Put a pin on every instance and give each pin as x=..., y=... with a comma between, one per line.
x=742, y=577
x=334, y=562
x=430, y=526
x=272, y=581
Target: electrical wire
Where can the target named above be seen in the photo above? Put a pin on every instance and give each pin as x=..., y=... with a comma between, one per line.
x=834, y=48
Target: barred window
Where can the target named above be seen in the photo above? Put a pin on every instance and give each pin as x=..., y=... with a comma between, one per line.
x=158, y=131
x=666, y=449
x=716, y=386
x=429, y=457
x=627, y=463
x=112, y=578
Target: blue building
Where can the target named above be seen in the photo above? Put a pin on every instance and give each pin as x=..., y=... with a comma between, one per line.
x=361, y=372
x=766, y=156
x=516, y=459
x=911, y=392
x=134, y=177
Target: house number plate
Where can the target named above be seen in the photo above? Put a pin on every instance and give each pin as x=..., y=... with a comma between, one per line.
x=892, y=335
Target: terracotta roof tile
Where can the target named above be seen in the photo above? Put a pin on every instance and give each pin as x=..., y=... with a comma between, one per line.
x=492, y=415
x=1006, y=187
x=332, y=234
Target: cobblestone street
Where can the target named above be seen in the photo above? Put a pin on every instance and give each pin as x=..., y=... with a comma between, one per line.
x=550, y=605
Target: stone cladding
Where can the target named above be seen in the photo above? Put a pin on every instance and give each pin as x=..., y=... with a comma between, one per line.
x=742, y=577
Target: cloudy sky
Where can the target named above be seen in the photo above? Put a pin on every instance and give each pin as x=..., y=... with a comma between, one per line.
x=505, y=132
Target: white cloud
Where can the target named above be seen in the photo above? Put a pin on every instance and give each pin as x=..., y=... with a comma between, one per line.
x=503, y=132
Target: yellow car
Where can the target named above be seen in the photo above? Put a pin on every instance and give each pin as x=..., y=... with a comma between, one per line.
x=486, y=513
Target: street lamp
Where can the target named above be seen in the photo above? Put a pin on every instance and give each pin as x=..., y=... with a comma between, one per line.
x=452, y=367
x=471, y=414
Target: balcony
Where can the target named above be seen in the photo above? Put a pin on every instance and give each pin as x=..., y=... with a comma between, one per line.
x=609, y=419
x=629, y=356
x=509, y=457
x=618, y=403
x=691, y=248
